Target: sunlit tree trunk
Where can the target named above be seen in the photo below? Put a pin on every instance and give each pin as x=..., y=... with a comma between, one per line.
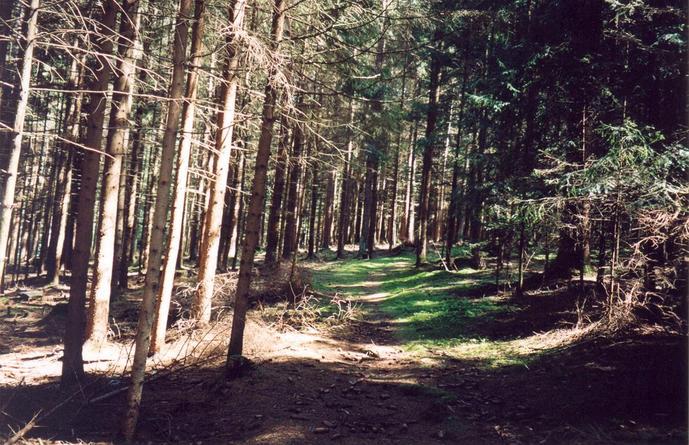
x=258, y=190
x=236, y=205
x=381, y=204
x=201, y=308
x=8, y=94
x=376, y=145
x=408, y=219
x=131, y=191
x=453, y=209
x=5, y=18
x=99, y=299
x=180, y=186
x=229, y=230
x=392, y=223
x=152, y=282
x=441, y=210
x=289, y=242
x=328, y=211
x=15, y=138
x=346, y=191
x=312, y=212
x=72, y=362
x=475, y=198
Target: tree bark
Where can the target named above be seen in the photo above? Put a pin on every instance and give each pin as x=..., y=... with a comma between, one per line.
x=8, y=94
x=236, y=232
x=476, y=199
x=312, y=212
x=152, y=282
x=346, y=191
x=408, y=220
x=273, y=229
x=99, y=299
x=566, y=257
x=453, y=209
x=63, y=193
x=131, y=195
x=258, y=189
x=201, y=306
x=289, y=242
x=424, y=192
x=8, y=190
x=72, y=362
x=328, y=211
x=167, y=277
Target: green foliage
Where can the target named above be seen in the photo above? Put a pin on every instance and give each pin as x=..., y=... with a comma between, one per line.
x=429, y=309
x=631, y=166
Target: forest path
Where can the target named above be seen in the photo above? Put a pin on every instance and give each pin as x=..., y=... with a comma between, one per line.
x=431, y=357
x=491, y=369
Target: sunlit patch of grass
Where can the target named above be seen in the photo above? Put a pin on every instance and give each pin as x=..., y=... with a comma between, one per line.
x=434, y=312
x=487, y=353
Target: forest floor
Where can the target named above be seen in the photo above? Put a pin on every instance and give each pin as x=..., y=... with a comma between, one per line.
x=383, y=353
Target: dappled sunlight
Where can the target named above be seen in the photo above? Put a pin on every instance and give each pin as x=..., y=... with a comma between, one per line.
x=362, y=285
x=430, y=319
x=375, y=297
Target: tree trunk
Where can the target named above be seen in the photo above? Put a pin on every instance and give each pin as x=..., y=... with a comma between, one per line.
x=230, y=213
x=151, y=284
x=476, y=200
x=8, y=94
x=424, y=192
x=99, y=299
x=5, y=19
x=233, y=206
x=115, y=278
x=8, y=190
x=346, y=191
x=201, y=309
x=453, y=209
x=566, y=258
x=72, y=362
x=131, y=195
x=522, y=255
x=236, y=232
x=167, y=277
x=312, y=212
x=182, y=167
x=68, y=245
x=289, y=242
x=63, y=194
x=328, y=211
x=408, y=220
x=382, y=209
x=258, y=189
x=273, y=231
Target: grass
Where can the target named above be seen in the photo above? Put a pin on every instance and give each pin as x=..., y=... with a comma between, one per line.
x=432, y=311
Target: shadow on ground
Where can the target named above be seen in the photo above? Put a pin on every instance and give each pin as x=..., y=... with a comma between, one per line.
x=630, y=392
x=440, y=376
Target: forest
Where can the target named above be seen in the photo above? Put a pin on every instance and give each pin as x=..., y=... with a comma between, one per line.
x=344, y=221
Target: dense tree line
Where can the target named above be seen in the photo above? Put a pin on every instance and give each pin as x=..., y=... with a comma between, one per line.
x=142, y=136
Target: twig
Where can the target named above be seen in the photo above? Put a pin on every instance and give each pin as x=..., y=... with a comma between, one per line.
x=25, y=429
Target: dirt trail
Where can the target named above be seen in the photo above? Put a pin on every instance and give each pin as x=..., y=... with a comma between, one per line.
x=360, y=385
x=354, y=386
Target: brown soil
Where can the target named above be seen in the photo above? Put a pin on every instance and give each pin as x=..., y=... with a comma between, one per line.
x=352, y=385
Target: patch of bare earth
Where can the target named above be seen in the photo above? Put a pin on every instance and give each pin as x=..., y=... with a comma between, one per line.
x=351, y=384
